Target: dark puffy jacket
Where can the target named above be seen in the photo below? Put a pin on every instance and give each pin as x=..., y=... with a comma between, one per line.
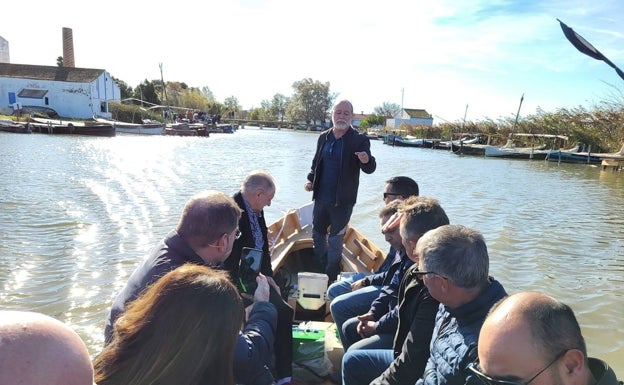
x=350, y=165
x=455, y=337
x=254, y=347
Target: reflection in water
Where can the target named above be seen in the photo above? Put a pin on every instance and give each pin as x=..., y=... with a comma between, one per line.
x=78, y=213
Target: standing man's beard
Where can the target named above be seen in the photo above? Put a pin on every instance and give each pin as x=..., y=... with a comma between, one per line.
x=341, y=125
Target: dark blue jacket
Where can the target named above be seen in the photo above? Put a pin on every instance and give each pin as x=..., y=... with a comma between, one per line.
x=350, y=165
x=455, y=336
x=417, y=312
x=254, y=347
x=385, y=306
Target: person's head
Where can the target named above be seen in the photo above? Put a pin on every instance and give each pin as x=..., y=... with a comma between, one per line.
x=209, y=224
x=456, y=263
x=181, y=330
x=37, y=349
x=532, y=337
x=342, y=115
x=393, y=236
x=399, y=187
x=258, y=189
x=419, y=215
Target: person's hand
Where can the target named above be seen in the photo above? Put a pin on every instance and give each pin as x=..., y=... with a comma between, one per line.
x=367, y=329
x=274, y=285
x=362, y=156
x=262, y=291
x=392, y=223
x=308, y=186
x=248, y=312
x=358, y=284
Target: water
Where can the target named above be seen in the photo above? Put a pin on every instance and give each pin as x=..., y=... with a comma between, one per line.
x=77, y=214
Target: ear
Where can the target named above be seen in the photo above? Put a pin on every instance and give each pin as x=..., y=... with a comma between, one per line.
x=573, y=363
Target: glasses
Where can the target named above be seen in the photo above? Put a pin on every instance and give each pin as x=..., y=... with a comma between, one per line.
x=487, y=380
x=238, y=234
x=423, y=273
x=386, y=195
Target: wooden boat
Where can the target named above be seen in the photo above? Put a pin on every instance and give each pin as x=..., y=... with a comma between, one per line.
x=145, y=128
x=567, y=156
x=400, y=141
x=7, y=125
x=186, y=129
x=538, y=153
x=66, y=127
x=468, y=149
x=292, y=253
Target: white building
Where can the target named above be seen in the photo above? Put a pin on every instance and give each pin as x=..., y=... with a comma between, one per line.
x=77, y=93
x=412, y=117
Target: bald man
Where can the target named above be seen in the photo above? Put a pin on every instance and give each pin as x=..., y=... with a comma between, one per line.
x=533, y=338
x=37, y=349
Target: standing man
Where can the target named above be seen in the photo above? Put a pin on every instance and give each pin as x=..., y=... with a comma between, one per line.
x=531, y=337
x=454, y=264
x=205, y=235
x=341, y=152
x=256, y=193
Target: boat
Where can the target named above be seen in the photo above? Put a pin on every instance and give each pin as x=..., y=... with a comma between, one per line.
x=511, y=151
x=290, y=240
x=71, y=127
x=186, y=129
x=8, y=125
x=148, y=127
x=568, y=156
x=468, y=149
x=400, y=141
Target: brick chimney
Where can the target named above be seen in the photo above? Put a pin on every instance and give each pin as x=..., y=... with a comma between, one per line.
x=68, y=48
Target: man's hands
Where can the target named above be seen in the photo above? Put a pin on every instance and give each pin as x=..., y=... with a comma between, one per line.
x=367, y=326
x=358, y=284
x=362, y=156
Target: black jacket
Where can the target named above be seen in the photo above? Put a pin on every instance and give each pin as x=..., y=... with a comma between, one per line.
x=350, y=165
x=254, y=347
x=247, y=240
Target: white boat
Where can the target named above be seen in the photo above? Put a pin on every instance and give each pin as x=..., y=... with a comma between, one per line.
x=148, y=127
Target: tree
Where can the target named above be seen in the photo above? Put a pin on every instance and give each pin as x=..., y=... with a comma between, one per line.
x=278, y=107
x=231, y=106
x=373, y=121
x=59, y=61
x=146, y=91
x=388, y=110
x=208, y=94
x=311, y=101
x=124, y=88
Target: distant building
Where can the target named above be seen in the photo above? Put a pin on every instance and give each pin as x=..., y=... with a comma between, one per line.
x=412, y=117
x=357, y=119
x=4, y=51
x=72, y=92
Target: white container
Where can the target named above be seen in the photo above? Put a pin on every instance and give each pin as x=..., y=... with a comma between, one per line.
x=312, y=288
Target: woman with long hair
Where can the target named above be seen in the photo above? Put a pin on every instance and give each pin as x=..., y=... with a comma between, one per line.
x=181, y=330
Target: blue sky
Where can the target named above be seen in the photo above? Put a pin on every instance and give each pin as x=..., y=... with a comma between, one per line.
x=437, y=55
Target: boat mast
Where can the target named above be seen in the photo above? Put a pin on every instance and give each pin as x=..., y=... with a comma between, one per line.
x=164, y=93
x=513, y=129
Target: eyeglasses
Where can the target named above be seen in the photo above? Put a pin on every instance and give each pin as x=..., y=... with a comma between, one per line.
x=487, y=380
x=238, y=234
x=386, y=195
x=423, y=273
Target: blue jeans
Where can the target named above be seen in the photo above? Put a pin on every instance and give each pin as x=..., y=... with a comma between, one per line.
x=351, y=305
x=336, y=218
x=360, y=367
x=353, y=341
x=342, y=286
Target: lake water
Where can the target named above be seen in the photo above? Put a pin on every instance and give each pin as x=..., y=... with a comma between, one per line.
x=77, y=214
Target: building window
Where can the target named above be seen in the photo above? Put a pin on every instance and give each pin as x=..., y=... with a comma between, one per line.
x=47, y=102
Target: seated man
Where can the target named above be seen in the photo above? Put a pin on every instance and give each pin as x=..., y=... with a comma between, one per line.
x=454, y=263
x=416, y=310
x=533, y=338
x=205, y=235
x=257, y=192
x=346, y=308
x=366, y=287
x=37, y=349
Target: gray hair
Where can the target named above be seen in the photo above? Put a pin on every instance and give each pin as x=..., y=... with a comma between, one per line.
x=344, y=101
x=258, y=179
x=390, y=208
x=457, y=253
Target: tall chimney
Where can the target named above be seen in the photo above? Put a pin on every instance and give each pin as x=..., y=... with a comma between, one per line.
x=68, y=48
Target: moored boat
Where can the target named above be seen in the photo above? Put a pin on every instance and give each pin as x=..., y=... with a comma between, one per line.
x=7, y=125
x=66, y=127
x=145, y=128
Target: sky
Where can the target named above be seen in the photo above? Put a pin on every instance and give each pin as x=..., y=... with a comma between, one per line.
x=453, y=58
